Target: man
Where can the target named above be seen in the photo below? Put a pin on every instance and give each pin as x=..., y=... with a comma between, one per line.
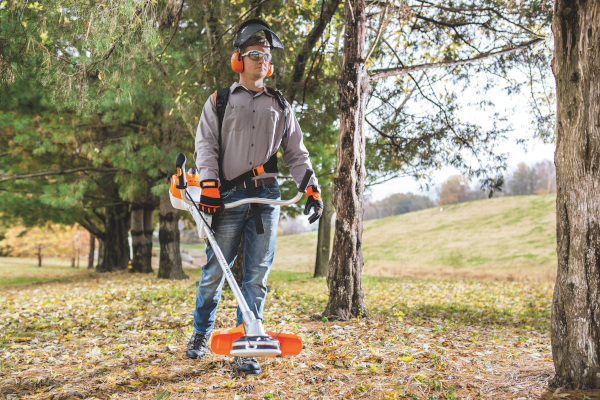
x=255, y=124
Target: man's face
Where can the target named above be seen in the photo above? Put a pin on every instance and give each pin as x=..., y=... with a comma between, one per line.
x=256, y=69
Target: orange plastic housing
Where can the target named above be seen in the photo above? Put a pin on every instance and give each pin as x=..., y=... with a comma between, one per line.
x=222, y=341
x=192, y=180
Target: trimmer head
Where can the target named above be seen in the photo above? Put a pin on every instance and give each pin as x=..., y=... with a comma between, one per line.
x=255, y=346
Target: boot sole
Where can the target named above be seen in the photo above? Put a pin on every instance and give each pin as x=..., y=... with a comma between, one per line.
x=194, y=356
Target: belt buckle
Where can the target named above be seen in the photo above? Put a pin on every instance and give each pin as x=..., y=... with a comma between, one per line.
x=256, y=183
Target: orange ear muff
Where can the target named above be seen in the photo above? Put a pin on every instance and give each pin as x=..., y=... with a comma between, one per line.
x=270, y=70
x=237, y=63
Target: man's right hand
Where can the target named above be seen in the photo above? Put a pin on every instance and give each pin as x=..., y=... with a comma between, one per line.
x=210, y=197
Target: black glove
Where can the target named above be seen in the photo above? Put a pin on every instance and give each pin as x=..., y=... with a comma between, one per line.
x=210, y=197
x=313, y=201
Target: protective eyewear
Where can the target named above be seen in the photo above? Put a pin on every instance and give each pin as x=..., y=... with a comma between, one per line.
x=256, y=55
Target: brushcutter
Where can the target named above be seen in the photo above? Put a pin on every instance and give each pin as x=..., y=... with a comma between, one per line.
x=250, y=338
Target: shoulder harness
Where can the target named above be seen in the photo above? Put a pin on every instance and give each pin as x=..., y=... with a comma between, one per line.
x=270, y=166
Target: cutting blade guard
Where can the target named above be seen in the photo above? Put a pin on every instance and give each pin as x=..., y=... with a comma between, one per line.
x=224, y=341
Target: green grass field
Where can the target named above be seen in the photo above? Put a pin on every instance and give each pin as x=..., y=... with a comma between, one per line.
x=508, y=238
x=16, y=271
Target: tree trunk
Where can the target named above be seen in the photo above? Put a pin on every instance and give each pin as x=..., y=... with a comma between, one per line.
x=141, y=237
x=91, y=251
x=137, y=237
x=115, y=246
x=39, y=255
x=148, y=231
x=575, y=324
x=344, y=279
x=324, y=239
x=169, y=265
x=100, y=253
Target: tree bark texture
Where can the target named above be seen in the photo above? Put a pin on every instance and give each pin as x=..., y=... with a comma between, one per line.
x=169, y=265
x=91, y=251
x=137, y=237
x=324, y=240
x=100, y=253
x=115, y=244
x=141, y=237
x=575, y=323
x=148, y=231
x=344, y=279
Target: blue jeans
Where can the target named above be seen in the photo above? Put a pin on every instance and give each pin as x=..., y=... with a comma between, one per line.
x=259, y=251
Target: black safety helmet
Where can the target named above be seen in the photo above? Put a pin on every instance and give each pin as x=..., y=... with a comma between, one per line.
x=252, y=26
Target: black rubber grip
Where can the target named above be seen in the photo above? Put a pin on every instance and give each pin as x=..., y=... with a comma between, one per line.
x=180, y=164
x=309, y=172
x=180, y=161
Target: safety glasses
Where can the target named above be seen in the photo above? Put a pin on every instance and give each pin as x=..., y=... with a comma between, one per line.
x=256, y=55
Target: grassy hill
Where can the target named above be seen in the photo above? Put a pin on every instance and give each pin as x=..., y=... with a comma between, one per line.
x=508, y=238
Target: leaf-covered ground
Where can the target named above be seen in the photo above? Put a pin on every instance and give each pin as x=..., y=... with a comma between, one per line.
x=123, y=336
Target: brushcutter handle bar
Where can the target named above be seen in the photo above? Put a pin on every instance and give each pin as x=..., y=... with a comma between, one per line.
x=180, y=165
x=307, y=175
x=260, y=200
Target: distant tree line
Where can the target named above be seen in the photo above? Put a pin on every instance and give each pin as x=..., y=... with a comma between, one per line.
x=399, y=203
x=539, y=178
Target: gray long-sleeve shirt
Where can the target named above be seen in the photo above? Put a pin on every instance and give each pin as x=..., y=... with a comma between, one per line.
x=253, y=130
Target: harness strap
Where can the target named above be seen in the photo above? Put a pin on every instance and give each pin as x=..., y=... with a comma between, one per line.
x=270, y=167
x=255, y=207
x=284, y=106
x=220, y=98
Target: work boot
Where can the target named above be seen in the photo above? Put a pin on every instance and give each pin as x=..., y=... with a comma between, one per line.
x=197, y=346
x=247, y=365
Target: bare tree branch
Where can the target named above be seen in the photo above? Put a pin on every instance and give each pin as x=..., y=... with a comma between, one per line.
x=327, y=11
x=382, y=24
x=5, y=177
x=385, y=73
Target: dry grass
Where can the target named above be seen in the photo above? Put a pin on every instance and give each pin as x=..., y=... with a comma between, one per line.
x=509, y=238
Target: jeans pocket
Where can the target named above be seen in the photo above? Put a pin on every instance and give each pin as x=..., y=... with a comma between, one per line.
x=226, y=194
x=273, y=190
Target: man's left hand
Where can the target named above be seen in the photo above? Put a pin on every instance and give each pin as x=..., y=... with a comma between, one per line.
x=314, y=201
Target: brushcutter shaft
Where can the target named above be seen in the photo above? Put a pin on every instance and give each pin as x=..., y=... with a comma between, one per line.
x=247, y=315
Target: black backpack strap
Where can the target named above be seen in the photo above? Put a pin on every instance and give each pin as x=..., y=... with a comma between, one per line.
x=221, y=97
x=254, y=207
x=284, y=106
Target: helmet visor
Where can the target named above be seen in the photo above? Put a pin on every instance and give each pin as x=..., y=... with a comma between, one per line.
x=249, y=30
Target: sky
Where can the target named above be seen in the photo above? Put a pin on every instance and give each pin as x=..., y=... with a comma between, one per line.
x=531, y=152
